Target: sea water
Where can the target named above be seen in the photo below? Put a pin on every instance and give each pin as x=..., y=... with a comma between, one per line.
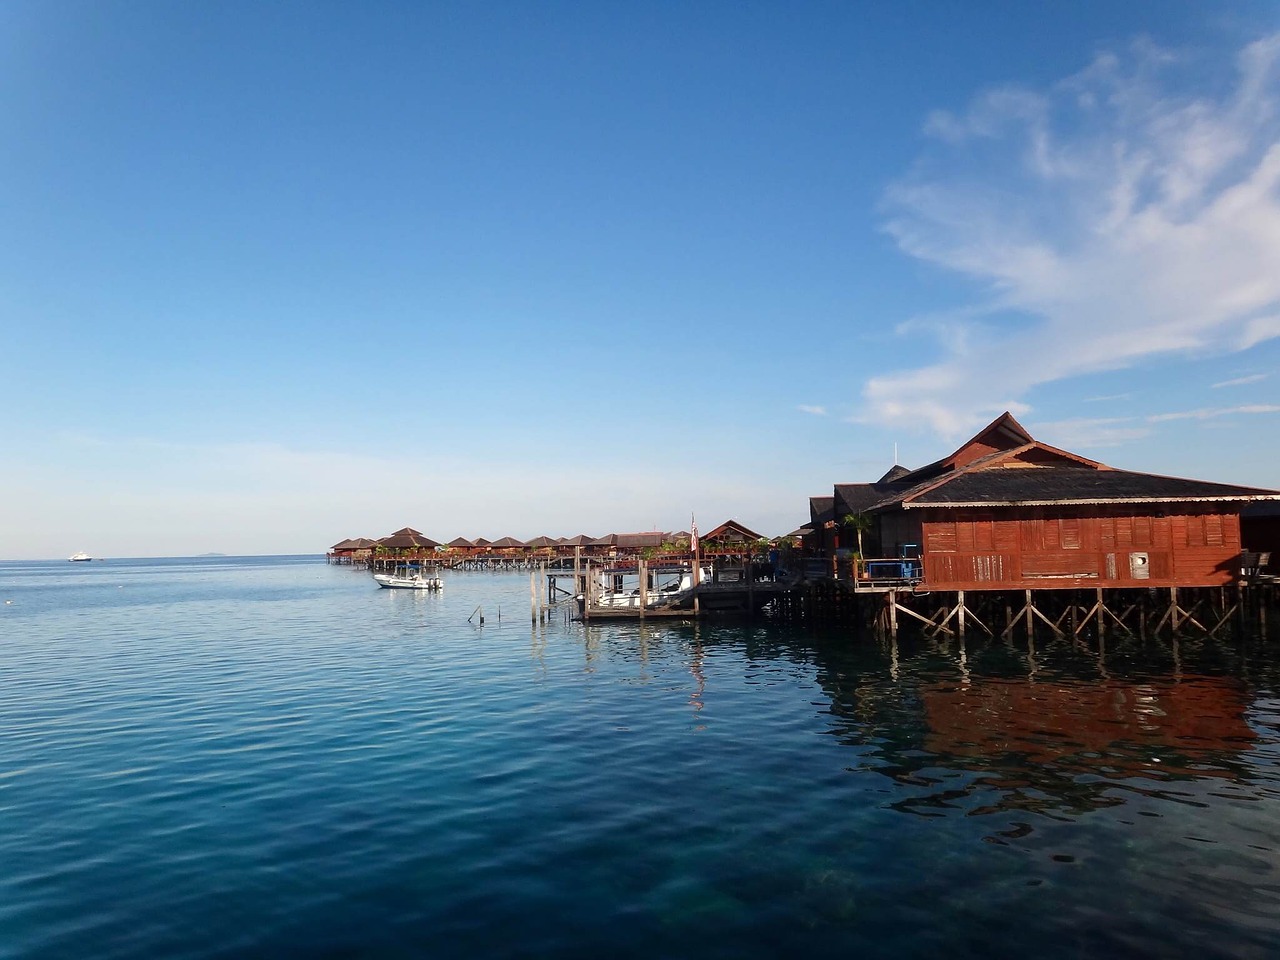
x=271, y=757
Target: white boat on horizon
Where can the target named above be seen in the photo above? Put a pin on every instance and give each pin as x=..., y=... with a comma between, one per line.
x=77, y=557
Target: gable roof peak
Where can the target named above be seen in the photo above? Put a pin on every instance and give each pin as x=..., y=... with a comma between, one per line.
x=896, y=472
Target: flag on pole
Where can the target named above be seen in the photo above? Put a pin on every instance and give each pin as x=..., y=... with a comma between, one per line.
x=693, y=534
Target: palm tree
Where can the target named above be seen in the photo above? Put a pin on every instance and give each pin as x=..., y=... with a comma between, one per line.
x=858, y=523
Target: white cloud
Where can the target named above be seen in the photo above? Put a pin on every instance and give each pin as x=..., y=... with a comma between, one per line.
x=1214, y=413
x=1084, y=433
x=1241, y=381
x=816, y=411
x=1117, y=219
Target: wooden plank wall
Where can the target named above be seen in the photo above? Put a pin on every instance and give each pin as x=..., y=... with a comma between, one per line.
x=1040, y=548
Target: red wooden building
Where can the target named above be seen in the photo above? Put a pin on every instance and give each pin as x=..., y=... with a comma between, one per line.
x=1006, y=511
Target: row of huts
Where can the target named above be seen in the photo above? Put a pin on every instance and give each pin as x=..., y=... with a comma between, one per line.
x=730, y=537
x=1007, y=511
x=1003, y=511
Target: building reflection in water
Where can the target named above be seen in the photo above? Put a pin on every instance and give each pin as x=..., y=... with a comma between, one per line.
x=1059, y=744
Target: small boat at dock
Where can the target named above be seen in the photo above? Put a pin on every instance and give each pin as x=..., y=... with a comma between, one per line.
x=616, y=592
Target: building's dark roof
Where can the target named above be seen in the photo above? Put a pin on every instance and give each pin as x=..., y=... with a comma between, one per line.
x=507, y=542
x=461, y=542
x=408, y=538
x=731, y=530
x=860, y=497
x=608, y=540
x=821, y=509
x=581, y=540
x=1053, y=485
x=1004, y=466
x=541, y=542
x=637, y=541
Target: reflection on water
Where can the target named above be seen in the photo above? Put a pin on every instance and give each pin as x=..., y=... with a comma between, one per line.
x=261, y=758
x=1059, y=738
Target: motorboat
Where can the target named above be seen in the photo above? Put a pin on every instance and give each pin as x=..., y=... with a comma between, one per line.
x=617, y=590
x=77, y=557
x=409, y=578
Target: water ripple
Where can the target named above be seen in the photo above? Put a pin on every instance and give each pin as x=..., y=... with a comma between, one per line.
x=271, y=757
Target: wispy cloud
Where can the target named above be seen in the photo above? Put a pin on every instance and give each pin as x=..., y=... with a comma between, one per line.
x=1083, y=433
x=1113, y=396
x=816, y=411
x=1241, y=381
x=1108, y=219
x=1214, y=413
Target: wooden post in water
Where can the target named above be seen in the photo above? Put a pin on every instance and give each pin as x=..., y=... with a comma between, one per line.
x=533, y=596
x=960, y=611
x=642, y=567
x=696, y=580
x=1030, y=626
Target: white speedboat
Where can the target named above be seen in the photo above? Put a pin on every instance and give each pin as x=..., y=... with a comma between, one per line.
x=617, y=590
x=76, y=557
x=410, y=580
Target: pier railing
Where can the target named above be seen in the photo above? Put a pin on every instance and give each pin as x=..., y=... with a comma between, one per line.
x=879, y=572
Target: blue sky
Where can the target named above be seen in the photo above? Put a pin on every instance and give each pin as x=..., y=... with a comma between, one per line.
x=273, y=275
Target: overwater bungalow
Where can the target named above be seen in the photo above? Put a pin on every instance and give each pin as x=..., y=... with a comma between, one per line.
x=507, y=545
x=352, y=550
x=1005, y=511
x=541, y=546
x=461, y=547
x=406, y=542
x=731, y=537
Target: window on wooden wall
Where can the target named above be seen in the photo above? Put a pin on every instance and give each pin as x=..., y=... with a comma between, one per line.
x=984, y=534
x=1005, y=535
x=1213, y=536
x=942, y=537
x=1070, y=533
x=1052, y=534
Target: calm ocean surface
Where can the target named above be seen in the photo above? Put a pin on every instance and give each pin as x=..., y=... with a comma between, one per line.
x=272, y=757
